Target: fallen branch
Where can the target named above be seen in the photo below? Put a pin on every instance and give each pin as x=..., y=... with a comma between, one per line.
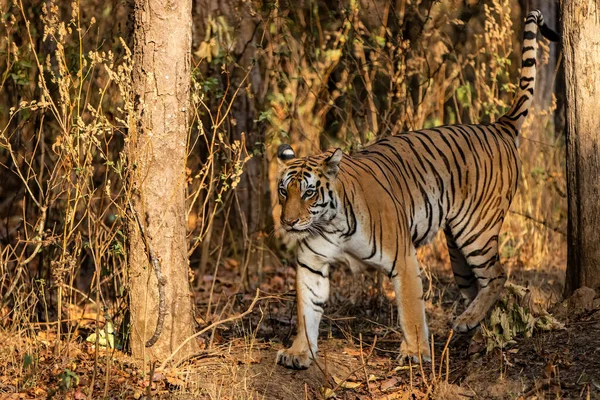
x=211, y=326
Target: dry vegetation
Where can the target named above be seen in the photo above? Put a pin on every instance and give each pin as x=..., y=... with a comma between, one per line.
x=318, y=77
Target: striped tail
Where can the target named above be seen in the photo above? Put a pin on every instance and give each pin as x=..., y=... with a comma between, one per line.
x=522, y=101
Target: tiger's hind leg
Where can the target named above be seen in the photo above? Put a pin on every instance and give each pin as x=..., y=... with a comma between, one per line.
x=463, y=274
x=480, y=251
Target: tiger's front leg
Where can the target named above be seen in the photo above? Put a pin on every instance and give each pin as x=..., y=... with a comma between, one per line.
x=408, y=286
x=312, y=292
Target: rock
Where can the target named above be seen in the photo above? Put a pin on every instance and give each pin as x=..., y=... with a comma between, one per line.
x=582, y=300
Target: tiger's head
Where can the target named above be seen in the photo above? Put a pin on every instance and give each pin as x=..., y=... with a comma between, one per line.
x=306, y=189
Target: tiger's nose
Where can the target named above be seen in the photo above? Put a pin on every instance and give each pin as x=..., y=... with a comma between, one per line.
x=288, y=222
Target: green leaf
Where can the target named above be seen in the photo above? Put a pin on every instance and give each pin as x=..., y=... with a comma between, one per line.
x=27, y=361
x=68, y=379
x=105, y=337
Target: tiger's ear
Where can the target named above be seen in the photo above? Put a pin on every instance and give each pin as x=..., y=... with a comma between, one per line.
x=285, y=153
x=331, y=165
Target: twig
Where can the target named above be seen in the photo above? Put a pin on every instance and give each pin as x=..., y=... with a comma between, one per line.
x=364, y=365
x=446, y=353
x=425, y=380
x=150, y=380
x=358, y=368
x=162, y=281
x=217, y=263
x=448, y=361
x=211, y=326
x=433, y=358
x=537, y=221
x=21, y=265
x=539, y=385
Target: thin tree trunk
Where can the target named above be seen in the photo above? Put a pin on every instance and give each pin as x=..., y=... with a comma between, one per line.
x=157, y=152
x=581, y=30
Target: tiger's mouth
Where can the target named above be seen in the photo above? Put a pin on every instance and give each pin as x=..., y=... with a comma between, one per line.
x=294, y=229
x=298, y=227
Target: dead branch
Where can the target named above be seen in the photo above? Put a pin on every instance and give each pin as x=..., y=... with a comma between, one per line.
x=211, y=326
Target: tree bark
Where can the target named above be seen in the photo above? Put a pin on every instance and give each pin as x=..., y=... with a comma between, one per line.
x=157, y=153
x=581, y=33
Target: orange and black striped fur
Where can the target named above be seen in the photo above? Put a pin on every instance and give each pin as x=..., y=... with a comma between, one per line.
x=374, y=208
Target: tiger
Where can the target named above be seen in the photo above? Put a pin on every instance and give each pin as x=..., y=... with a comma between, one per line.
x=374, y=208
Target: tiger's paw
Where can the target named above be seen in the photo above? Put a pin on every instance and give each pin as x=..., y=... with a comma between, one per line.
x=294, y=359
x=465, y=323
x=406, y=359
x=412, y=356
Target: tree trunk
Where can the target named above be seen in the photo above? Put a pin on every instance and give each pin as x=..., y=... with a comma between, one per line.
x=581, y=30
x=157, y=152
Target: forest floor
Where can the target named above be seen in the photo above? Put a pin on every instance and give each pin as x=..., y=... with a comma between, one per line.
x=357, y=357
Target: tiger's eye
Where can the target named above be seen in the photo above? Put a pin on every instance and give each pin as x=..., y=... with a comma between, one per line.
x=282, y=192
x=309, y=193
